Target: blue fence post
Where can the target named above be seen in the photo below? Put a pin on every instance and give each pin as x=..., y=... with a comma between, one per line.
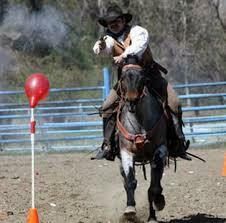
x=106, y=75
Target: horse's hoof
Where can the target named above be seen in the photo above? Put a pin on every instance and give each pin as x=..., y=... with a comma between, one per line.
x=130, y=210
x=129, y=218
x=130, y=213
x=152, y=221
x=159, y=203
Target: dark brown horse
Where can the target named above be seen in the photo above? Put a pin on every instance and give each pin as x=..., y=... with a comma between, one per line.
x=142, y=138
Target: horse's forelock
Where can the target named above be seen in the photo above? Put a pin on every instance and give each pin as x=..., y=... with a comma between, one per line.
x=132, y=73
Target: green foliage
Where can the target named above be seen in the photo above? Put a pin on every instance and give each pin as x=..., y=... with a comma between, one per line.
x=74, y=63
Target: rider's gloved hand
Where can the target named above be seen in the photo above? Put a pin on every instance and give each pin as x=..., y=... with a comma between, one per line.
x=102, y=43
x=99, y=46
x=119, y=59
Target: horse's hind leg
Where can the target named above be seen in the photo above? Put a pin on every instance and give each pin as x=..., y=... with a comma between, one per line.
x=156, y=199
x=128, y=173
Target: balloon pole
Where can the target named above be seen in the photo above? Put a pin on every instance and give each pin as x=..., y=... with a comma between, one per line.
x=33, y=213
x=36, y=89
x=33, y=157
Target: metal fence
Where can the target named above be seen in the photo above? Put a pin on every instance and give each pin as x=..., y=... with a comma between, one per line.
x=64, y=121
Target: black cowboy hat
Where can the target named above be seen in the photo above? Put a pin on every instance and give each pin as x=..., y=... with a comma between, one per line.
x=114, y=12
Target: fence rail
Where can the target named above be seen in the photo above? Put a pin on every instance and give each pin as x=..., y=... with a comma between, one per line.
x=68, y=124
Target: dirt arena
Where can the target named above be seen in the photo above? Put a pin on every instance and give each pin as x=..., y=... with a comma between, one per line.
x=70, y=188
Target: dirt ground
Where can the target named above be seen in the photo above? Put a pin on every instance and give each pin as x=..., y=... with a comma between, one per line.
x=70, y=188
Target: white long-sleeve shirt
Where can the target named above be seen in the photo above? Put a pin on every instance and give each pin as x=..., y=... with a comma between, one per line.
x=139, y=42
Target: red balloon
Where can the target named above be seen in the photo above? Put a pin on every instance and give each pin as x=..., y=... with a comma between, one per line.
x=36, y=88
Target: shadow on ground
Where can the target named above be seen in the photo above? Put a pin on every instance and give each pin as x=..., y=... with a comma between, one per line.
x=199, y=218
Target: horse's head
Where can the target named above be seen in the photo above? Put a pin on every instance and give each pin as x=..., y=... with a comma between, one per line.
x=132, y=84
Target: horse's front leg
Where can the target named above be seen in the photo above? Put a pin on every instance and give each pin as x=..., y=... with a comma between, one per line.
x=156, y=199
x=130, y=183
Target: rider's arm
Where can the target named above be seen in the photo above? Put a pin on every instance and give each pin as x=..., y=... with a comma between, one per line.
x=139, y=41
x=104, y=46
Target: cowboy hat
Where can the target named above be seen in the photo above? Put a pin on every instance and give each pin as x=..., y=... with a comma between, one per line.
x=113, y=12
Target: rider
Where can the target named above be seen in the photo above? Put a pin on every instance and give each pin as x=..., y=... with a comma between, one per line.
x=125, y=42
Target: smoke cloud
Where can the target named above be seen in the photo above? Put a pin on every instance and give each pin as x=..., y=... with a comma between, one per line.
x=6, y=61
x=45, y=27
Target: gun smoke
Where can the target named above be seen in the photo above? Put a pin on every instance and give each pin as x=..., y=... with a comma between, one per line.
x=37, y=29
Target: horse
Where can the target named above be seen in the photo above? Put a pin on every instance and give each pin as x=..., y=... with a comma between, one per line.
x=142, y=138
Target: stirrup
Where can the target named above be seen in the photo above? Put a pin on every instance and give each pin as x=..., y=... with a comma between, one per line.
x=102, y=151
x=101, y=154
x=104, y=154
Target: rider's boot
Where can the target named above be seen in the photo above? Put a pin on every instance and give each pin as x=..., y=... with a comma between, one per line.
x=107, y=147
x=183, y=143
